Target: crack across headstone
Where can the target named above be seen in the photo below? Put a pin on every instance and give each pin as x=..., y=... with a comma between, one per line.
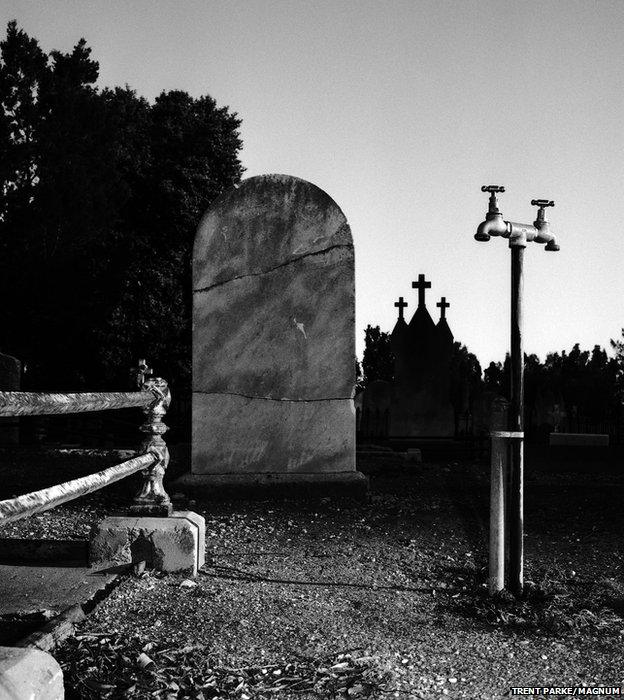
x=270, y=398
x=272, y=269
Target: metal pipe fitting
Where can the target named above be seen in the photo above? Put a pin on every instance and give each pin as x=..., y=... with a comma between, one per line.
x=494, y=225
x=542, y=225
x=518, y=234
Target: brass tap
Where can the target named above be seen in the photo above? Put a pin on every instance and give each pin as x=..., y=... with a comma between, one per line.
x=518, y=234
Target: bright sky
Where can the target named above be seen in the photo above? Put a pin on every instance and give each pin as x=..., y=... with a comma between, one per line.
x=401, y=111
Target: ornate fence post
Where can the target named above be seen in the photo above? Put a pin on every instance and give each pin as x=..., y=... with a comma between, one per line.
x=152, y=499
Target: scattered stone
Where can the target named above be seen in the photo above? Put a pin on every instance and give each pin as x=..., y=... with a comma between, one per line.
x=30, y=673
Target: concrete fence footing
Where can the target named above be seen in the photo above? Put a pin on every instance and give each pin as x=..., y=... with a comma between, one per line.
x=175, y=544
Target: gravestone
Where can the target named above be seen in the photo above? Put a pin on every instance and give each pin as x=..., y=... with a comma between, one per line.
x=548, y=414
x=273, y=340
x=10, y=380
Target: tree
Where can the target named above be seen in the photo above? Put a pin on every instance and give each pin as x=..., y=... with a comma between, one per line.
x=101, y=194
x=465, y=377
x=378, y=359
x=618, y=347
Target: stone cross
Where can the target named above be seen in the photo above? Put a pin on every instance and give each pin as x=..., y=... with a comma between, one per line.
x=443, y=305
x=400, y=304
x=421, y=285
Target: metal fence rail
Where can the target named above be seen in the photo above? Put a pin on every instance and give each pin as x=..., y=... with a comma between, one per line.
x=40, y=501
x=25, y=403
x=153, y=397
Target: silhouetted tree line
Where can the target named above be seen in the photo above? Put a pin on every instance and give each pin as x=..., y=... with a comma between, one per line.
x=101, y=193
x=584, y=384
x=378, y=363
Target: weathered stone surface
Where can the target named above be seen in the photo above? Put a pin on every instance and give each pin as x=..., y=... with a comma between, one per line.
x=30, y=673
x=234, y=434
x=172, y=544
x=264, y=223
x=26, y=590
x=273, y=332
x=286, y=334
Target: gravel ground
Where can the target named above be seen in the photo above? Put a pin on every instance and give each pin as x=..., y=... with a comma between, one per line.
x=384, y=599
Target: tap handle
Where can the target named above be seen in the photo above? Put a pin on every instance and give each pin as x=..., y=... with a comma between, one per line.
x=492, y=188
x=541, y=203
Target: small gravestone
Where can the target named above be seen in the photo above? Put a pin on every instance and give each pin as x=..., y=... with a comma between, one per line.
x=10, y=380
x=273, y=340
x=376, y=409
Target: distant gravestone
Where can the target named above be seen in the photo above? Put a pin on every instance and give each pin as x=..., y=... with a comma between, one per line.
x=10, y=380
x=273, y=339
x=376, y=409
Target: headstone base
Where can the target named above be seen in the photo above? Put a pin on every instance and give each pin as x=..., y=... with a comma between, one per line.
x=272, y=485
x=413, y=456
x=579, y=439
x=175, y=544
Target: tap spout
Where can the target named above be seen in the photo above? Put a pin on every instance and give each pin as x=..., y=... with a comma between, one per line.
x=545, y=236
x=494, y=225
x=542, y=226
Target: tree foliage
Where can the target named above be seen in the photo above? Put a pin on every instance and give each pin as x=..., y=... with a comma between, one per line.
x=100, y=196
x=378, y=358
x=586, y=383
x=466, y=380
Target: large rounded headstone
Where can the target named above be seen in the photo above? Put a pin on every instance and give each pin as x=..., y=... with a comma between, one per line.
x=273, y=333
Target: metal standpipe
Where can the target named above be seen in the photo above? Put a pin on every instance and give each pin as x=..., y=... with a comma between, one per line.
x=516, y=424
x=508, y=513
x=498, y=476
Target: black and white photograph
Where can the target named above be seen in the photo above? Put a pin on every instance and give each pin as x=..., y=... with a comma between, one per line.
x=311, y=349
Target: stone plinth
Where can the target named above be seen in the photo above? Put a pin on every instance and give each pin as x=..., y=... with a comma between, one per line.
x=579, y=440
x=175, y=544
x=273, y=337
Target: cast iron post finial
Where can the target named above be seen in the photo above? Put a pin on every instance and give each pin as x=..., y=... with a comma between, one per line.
x=142, y=372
